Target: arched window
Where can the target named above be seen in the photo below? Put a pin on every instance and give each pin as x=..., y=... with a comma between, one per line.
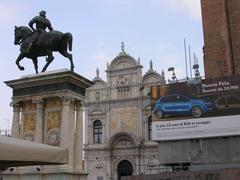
x=97, y=96
x=150, y=128
x=97, y=132
x=123, y=88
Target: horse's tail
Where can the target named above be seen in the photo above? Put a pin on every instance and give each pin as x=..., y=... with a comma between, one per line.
x=69, y=38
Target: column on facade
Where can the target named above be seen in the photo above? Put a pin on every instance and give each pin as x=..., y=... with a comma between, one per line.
x=16, y=119
x=86, y=155
x=39, y=120
x=90, y=130
x=140, y=120
x=78, y=152
x=67, y=128
x=86, y=128
x=145, y=126
x=104, y=130
x=107, y=121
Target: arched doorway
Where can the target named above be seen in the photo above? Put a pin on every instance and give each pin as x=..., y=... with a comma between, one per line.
x=124, y=168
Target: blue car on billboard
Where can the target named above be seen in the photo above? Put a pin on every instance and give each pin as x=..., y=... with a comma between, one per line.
x=177, y=104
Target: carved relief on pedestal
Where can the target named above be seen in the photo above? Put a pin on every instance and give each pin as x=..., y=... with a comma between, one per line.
x=53, y=126
x=53, y=137
x=29, y=120
x=54, y=120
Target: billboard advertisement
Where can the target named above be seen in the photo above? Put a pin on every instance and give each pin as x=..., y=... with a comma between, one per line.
x=195, y=109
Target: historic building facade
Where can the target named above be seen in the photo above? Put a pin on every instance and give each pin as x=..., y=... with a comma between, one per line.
x=221, y=37
x=118, y=121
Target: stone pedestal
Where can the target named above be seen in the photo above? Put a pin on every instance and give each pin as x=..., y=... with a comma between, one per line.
x=48, y=108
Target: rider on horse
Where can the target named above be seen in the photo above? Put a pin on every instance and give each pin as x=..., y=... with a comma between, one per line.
x=41, y=24
x=41, y=43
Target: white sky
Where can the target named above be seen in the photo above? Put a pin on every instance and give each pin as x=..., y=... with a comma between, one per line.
x=151, y=29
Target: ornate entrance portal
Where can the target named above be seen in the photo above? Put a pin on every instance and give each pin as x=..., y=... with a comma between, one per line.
x=124, y=168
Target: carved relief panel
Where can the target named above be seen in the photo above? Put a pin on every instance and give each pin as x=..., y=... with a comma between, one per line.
x=28, y=128
x=53, y=127
x=53, y=116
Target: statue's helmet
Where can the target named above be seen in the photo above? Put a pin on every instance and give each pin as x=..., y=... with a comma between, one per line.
x=42, y=13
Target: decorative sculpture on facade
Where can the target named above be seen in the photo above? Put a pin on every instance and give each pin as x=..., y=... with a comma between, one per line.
x=123, y=48
x=97, y=72
x=151, y=64
x=38, y=42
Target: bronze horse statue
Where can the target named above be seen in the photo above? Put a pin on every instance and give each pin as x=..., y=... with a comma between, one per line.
x=44, y=46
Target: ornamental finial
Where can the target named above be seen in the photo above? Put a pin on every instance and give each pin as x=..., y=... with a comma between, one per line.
x=123, y=48
x=151, y=64
x=97, y=72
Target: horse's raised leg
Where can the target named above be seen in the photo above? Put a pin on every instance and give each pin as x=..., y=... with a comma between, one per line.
x=49, y=60
x=35, y=62
x=20, y=57
x=69, y=56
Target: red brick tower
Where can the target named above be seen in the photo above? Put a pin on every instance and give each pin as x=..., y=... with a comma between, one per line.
x=221, y=26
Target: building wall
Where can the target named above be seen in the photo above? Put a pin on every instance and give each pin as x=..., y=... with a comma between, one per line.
x=216, y=38
x=221, y=37
x=125, y=130
x=124, y=112
x=59, y=176
x=232, y=174
x=234, y=19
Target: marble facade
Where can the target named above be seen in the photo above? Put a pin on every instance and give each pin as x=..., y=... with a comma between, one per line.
x=118, y=120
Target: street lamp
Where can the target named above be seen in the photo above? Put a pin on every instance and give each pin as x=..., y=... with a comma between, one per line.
x=174, y=77
x=196, y=69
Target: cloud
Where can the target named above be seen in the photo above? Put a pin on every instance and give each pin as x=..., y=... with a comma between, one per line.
x=7, y=11
x=10, y=11
x=191, y=7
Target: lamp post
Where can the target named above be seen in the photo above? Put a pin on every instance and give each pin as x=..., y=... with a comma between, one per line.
x=196, y=68
x=174, y=77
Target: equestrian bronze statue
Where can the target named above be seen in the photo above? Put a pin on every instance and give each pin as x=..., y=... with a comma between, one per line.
x=38, y=42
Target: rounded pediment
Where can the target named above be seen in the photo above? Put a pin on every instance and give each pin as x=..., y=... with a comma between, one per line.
x=123, y=61
x=152, y=77
x=99, y=84
x=123, y=139
x=123, y=142
x=96, y=112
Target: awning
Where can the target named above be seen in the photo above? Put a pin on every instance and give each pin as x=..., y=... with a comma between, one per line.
x=16, y=152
